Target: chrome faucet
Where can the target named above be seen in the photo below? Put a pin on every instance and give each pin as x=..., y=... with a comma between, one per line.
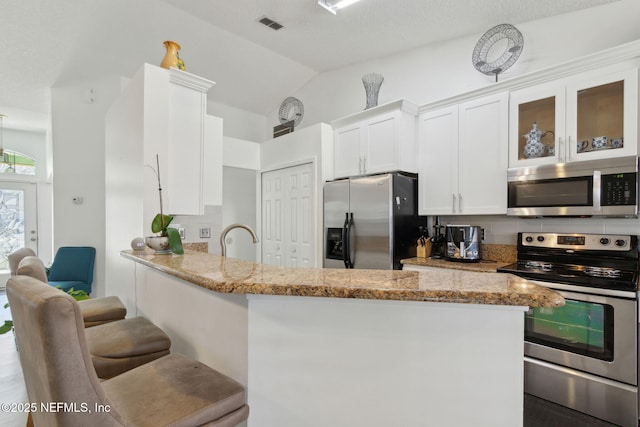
x=223, y=236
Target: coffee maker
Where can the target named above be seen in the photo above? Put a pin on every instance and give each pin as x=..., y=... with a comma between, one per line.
x=463, y=243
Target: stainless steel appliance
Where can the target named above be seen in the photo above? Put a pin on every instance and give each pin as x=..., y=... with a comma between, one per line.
x=463, y=243
x=583, y=355
x=371, y=221
x=607, y=187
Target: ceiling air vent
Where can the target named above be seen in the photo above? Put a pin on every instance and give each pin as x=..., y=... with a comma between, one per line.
x=270, y=23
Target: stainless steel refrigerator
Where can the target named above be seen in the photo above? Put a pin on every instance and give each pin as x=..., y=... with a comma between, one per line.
x=371, y=222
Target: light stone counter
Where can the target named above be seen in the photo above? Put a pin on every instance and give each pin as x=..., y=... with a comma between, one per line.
x=372, y=348
x=229, y=275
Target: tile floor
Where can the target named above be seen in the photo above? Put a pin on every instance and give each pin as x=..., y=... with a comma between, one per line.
x=12, y=389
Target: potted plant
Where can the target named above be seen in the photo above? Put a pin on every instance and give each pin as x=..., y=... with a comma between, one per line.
x=168, y=240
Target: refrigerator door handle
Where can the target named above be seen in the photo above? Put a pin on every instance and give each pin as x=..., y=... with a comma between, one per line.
x=349, y=263
x=345, y=240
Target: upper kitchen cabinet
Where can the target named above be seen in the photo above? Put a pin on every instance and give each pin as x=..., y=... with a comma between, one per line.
x=591, y=115
x=184, y=143
x=163, y=112
x=380, y=139
x=462, y=152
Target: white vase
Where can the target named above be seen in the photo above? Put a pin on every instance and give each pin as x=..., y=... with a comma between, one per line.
x=158, y=243
x=372, y=83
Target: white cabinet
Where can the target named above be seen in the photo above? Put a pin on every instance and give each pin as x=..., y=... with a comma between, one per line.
x=592, y=115
x=181, y=146
x=162, y=112
x=462, y=152
x=380, y=139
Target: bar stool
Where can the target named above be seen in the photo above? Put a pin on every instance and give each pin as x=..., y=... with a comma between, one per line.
x=95, y=311
x=16, y=256
x=171, y=391
x=116, y=346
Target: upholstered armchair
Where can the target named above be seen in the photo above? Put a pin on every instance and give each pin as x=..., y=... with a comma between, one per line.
x=73, y=268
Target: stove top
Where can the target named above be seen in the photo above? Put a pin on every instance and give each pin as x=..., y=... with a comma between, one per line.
x=591, y=260
x=599, y=277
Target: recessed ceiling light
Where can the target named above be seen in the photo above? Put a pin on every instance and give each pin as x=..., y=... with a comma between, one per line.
x=333, y=5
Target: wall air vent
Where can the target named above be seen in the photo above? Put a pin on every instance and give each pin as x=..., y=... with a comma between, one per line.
x=270, y=23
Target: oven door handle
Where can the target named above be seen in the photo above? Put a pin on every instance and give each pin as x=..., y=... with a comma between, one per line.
x=597, y=191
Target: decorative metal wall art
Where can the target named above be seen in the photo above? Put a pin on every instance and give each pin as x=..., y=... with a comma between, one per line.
x=497, y=50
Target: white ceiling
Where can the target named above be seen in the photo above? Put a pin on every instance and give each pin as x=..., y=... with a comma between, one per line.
x=46, y=43
x=371, y=28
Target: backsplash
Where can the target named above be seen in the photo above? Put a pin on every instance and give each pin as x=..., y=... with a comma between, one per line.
x=499, y=253
x=501, y=229
x=212, y=219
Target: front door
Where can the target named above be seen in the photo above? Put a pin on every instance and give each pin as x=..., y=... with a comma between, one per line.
x=18, y=221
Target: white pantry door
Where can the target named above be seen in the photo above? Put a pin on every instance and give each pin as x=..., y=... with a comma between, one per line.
x=288, y=217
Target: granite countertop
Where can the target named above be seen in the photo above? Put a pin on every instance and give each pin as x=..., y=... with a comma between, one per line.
x=230, y=275
x=494, y=256
x=486, y=266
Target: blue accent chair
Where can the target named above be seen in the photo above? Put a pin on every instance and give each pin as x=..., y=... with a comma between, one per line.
x=73, y=268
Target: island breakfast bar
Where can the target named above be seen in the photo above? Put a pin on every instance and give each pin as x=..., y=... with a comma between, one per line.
x=333, y=347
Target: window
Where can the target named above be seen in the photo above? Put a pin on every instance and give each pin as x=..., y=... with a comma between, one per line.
x=12, y=162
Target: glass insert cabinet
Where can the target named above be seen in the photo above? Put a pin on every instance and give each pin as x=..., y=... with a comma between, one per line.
x=585, y=117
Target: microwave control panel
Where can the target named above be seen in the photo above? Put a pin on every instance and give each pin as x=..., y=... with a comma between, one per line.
x=619, y=189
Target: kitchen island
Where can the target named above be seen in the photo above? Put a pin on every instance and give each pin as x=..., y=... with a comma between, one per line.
x=330, y=347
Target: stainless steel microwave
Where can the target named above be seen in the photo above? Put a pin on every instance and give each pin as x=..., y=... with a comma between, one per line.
x=606, y=187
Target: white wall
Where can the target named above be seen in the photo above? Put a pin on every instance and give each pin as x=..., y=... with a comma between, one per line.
x=443, y=70
x=239, y=123
x=79, y=166
x=239, y=206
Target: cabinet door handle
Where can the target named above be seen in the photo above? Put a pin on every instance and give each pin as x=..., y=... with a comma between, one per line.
x=364, y=165
x=459, y=202
x=453, y=205
x=561, y=150
x=360, y=164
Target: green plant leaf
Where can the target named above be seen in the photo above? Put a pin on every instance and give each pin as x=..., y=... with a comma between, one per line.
x=78, y=295
x=8, y=324
x=6, y=305
x=175, y=243
x=156, y=224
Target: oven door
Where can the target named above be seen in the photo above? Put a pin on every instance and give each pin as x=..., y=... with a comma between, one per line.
x=591, y=333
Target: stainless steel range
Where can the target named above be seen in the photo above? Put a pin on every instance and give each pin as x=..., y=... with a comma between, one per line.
x=583, y=355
